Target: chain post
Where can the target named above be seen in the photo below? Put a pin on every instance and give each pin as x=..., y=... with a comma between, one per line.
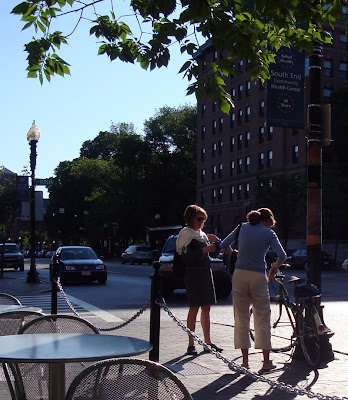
x=54, y=288
x=155, y=310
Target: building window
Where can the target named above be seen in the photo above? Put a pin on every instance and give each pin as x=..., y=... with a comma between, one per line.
x=247, y=138
x=233, y=93
x=203, y=110
x=270, y=133
x=327, y=68
x=202, y=198
x=213, y=172
x=240, y=141
x=239, y=166
x=213, y=196
x=220, y=195
x=270, y=159
x=203, y=132
x=232, y=168
x=215, y=55
x=232, y=190
x=343, y=42
x=239, y=192
x=327, y=94
x=240, y=92
x=248, y=88
x=261, y=160
x=246, y=190
x=261, y=134
x=203, y=154
x=343, y=70
x=215, y=104
x=232, y=144
x=247, y=164
x=241, y=66
x=214, y=126
x=221, y=124
x=247, y=114
x=220, y=171
x=240, y=117
x=233, y=119
x=213, y=149
x=221, y=145
x=295, y=154
x=203, y=176
x=262, y=108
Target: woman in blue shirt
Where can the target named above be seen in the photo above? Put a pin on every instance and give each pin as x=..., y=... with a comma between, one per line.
x=250, y=282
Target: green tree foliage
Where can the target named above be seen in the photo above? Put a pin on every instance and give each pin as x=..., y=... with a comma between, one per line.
x=125, y=178
x=240, y=28
x=8, y=203
x=286, y=197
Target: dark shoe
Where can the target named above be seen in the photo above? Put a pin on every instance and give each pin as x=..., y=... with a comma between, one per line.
x=191, y=350
x=213, y=346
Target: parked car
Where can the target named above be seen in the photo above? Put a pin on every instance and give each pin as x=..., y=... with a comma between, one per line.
x=11, y=256
x=298, y=259
x=49, y=254
x=174, y=279
x=345, y=264
x=137, y=253
x=78, y=263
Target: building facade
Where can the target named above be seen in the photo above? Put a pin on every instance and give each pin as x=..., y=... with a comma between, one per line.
x=237, y=153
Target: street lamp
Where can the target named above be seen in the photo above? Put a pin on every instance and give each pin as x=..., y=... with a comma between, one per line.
x=33, y=136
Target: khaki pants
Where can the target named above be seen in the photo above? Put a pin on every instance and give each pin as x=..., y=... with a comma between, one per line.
x=249, y=287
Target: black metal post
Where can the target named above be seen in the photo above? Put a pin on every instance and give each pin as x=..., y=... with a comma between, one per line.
x=314, y=185
x=32, y=276
x=155, y=313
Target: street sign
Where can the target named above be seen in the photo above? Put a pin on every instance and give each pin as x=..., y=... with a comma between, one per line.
x=45, y=182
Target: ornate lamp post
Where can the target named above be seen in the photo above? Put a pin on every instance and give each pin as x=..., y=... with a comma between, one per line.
x=33, y=136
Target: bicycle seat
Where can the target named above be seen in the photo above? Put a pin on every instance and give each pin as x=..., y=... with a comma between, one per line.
x=295, y=280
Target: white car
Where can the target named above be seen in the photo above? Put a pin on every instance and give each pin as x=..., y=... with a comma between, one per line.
x=345, y=264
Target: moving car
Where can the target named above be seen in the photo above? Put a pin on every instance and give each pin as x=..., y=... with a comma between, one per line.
x=11, y=256
x=173, y=278
x=345, y=264
x=137, y=253
x=78, y=263
x=298, y=259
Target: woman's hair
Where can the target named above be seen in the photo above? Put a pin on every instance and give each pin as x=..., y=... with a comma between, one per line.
x=191, y=212
x=262, y=214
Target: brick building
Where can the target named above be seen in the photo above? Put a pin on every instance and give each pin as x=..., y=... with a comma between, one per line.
x=235, y=151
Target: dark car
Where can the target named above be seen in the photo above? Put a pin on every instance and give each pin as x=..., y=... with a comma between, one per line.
x=137, y=253
x=174, y=278
x=11, y=256
x=78, y=263
x=298, y=259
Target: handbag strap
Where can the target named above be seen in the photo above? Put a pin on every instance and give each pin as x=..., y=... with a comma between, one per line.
x=237, y=235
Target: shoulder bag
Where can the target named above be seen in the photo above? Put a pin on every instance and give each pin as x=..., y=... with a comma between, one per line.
x=234, y=253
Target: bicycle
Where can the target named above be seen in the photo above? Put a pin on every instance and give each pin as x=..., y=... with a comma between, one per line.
x=298, y=321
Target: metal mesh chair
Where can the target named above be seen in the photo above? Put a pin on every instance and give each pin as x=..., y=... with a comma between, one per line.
x=125, y=378
x=8, y=299
x=35, y=376
x=10, y=324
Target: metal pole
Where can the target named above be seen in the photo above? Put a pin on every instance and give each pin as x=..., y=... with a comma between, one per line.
x=314, y=185
x=32, y=276
x=155, y=313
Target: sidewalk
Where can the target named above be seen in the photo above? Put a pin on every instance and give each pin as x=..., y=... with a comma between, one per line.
x=208, y=377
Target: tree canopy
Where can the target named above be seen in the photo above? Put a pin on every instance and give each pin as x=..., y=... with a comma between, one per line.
x=254, y=30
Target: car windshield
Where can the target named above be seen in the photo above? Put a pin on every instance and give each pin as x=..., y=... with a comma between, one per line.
x=78, y=254
x=11, y=248
x=170, y=246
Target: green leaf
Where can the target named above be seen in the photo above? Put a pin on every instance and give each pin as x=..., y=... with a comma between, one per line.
x=21, y=8
x=185, y=66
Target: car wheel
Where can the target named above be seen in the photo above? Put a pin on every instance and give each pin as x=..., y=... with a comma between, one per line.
x=132, y=261
x=21, y=268
x=123, y=261
x=15, y=268
x=223, y=285
x=166, y=289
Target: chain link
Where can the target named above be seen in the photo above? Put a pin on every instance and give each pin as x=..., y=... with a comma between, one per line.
x=238, y=368
x=113, y=328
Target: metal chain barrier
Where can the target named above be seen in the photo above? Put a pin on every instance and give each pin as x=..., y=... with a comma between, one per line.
x=136, y=315
x=241, y=370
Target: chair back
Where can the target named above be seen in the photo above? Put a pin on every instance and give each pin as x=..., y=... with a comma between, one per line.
x=8, y=299
x=35, y=376
x=12, y=321
x=58, y=323
x=125, y=378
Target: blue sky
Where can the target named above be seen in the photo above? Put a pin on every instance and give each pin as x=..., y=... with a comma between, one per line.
x=70, y=110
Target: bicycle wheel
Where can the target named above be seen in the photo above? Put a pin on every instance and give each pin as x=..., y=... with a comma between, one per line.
x=308, y=334
x=282, y=325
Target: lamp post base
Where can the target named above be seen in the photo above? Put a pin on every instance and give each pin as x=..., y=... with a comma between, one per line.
x=33, y=276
